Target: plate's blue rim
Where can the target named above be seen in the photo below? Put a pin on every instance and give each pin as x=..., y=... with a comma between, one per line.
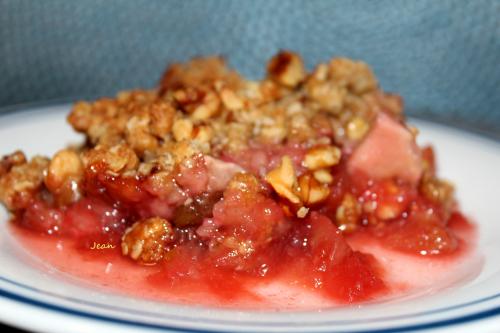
x=113, y=320
x=10, y=110
x=265, y=324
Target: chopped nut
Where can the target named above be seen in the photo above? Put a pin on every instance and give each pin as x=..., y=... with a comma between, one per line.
x=199, y=73
x=438, y=191
x=329, y=96
x=356, y=128
x=310, y=191
x=287, y=69
x=323, y=107
x=355, y=75
x=274, y=133
x=64, y=174
x=162, y=118
x=184, y=149
x=323, y=176
x=302, y=212
x=65, y=164
x=19, y=184
x=138, y=135
x=80, y=116
x=117, y=158
x=208, y=108
x=182, y=129
x=322, y=157
x=283, y=180
x=299, y=129
x=348, y=213
x=203, y=133
x=146, y=240
x=230, y=100
x=9, y=161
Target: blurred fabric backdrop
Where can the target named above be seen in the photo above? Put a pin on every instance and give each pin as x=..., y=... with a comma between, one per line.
x=443, y=56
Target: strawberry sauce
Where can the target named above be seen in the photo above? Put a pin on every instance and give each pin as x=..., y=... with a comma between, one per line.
x=245, y=247
x=284, y=278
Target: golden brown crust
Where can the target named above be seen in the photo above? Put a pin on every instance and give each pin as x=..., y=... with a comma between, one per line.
x=203, y=107
x=146, y=240
x=19, y=185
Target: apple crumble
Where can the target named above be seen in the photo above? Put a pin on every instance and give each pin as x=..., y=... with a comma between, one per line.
x=215, y=174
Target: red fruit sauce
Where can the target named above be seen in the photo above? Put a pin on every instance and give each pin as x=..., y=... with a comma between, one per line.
x=289, y=263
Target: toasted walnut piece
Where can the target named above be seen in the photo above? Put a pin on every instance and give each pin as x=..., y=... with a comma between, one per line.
x=18, y=185
x=104, y=134
x=11, y=160
x=328, y=95
x=236, y=135
x=199, y=73
x=81, y=117
x=117, y=158
x=64, y=174
x=121, y=158
x=354, y=75
x=287, y=69
x=182, y=129
x=188, y=98
x=138, y=135
x=184, y=149
x=302, y=212
x=230, y=100
x=284, y=180
x=202, y=106
x=348, y=213
x=361, y=106
x=162, y=118
x=157, y=161
x=146, y=240
x=271, y=91
x=311, y=191
x=203, y=133
x=356, y=128
x=388, y=102
x=274, y=133
x=323, y=176
x=438, y=191
x=299, y=129
x=208, y=108
x=322, y=157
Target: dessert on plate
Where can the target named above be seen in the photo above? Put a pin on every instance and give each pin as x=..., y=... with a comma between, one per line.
x=212, y=183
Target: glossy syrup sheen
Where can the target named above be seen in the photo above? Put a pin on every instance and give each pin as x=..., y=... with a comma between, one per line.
x=282, y=278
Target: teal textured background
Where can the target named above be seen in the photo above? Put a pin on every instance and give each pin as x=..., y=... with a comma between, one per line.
x=443, y=56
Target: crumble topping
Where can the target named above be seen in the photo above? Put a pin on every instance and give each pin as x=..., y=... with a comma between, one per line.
x=215, y=109
x=21, y=179
x=146, y=240
x=207, y=140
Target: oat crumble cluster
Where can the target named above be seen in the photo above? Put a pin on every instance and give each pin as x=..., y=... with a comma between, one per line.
x=207, y=140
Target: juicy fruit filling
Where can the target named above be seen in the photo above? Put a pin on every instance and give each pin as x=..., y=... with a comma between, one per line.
x=221, y=179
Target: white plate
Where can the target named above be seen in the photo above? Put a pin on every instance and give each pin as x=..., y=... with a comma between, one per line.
x=37, y=298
